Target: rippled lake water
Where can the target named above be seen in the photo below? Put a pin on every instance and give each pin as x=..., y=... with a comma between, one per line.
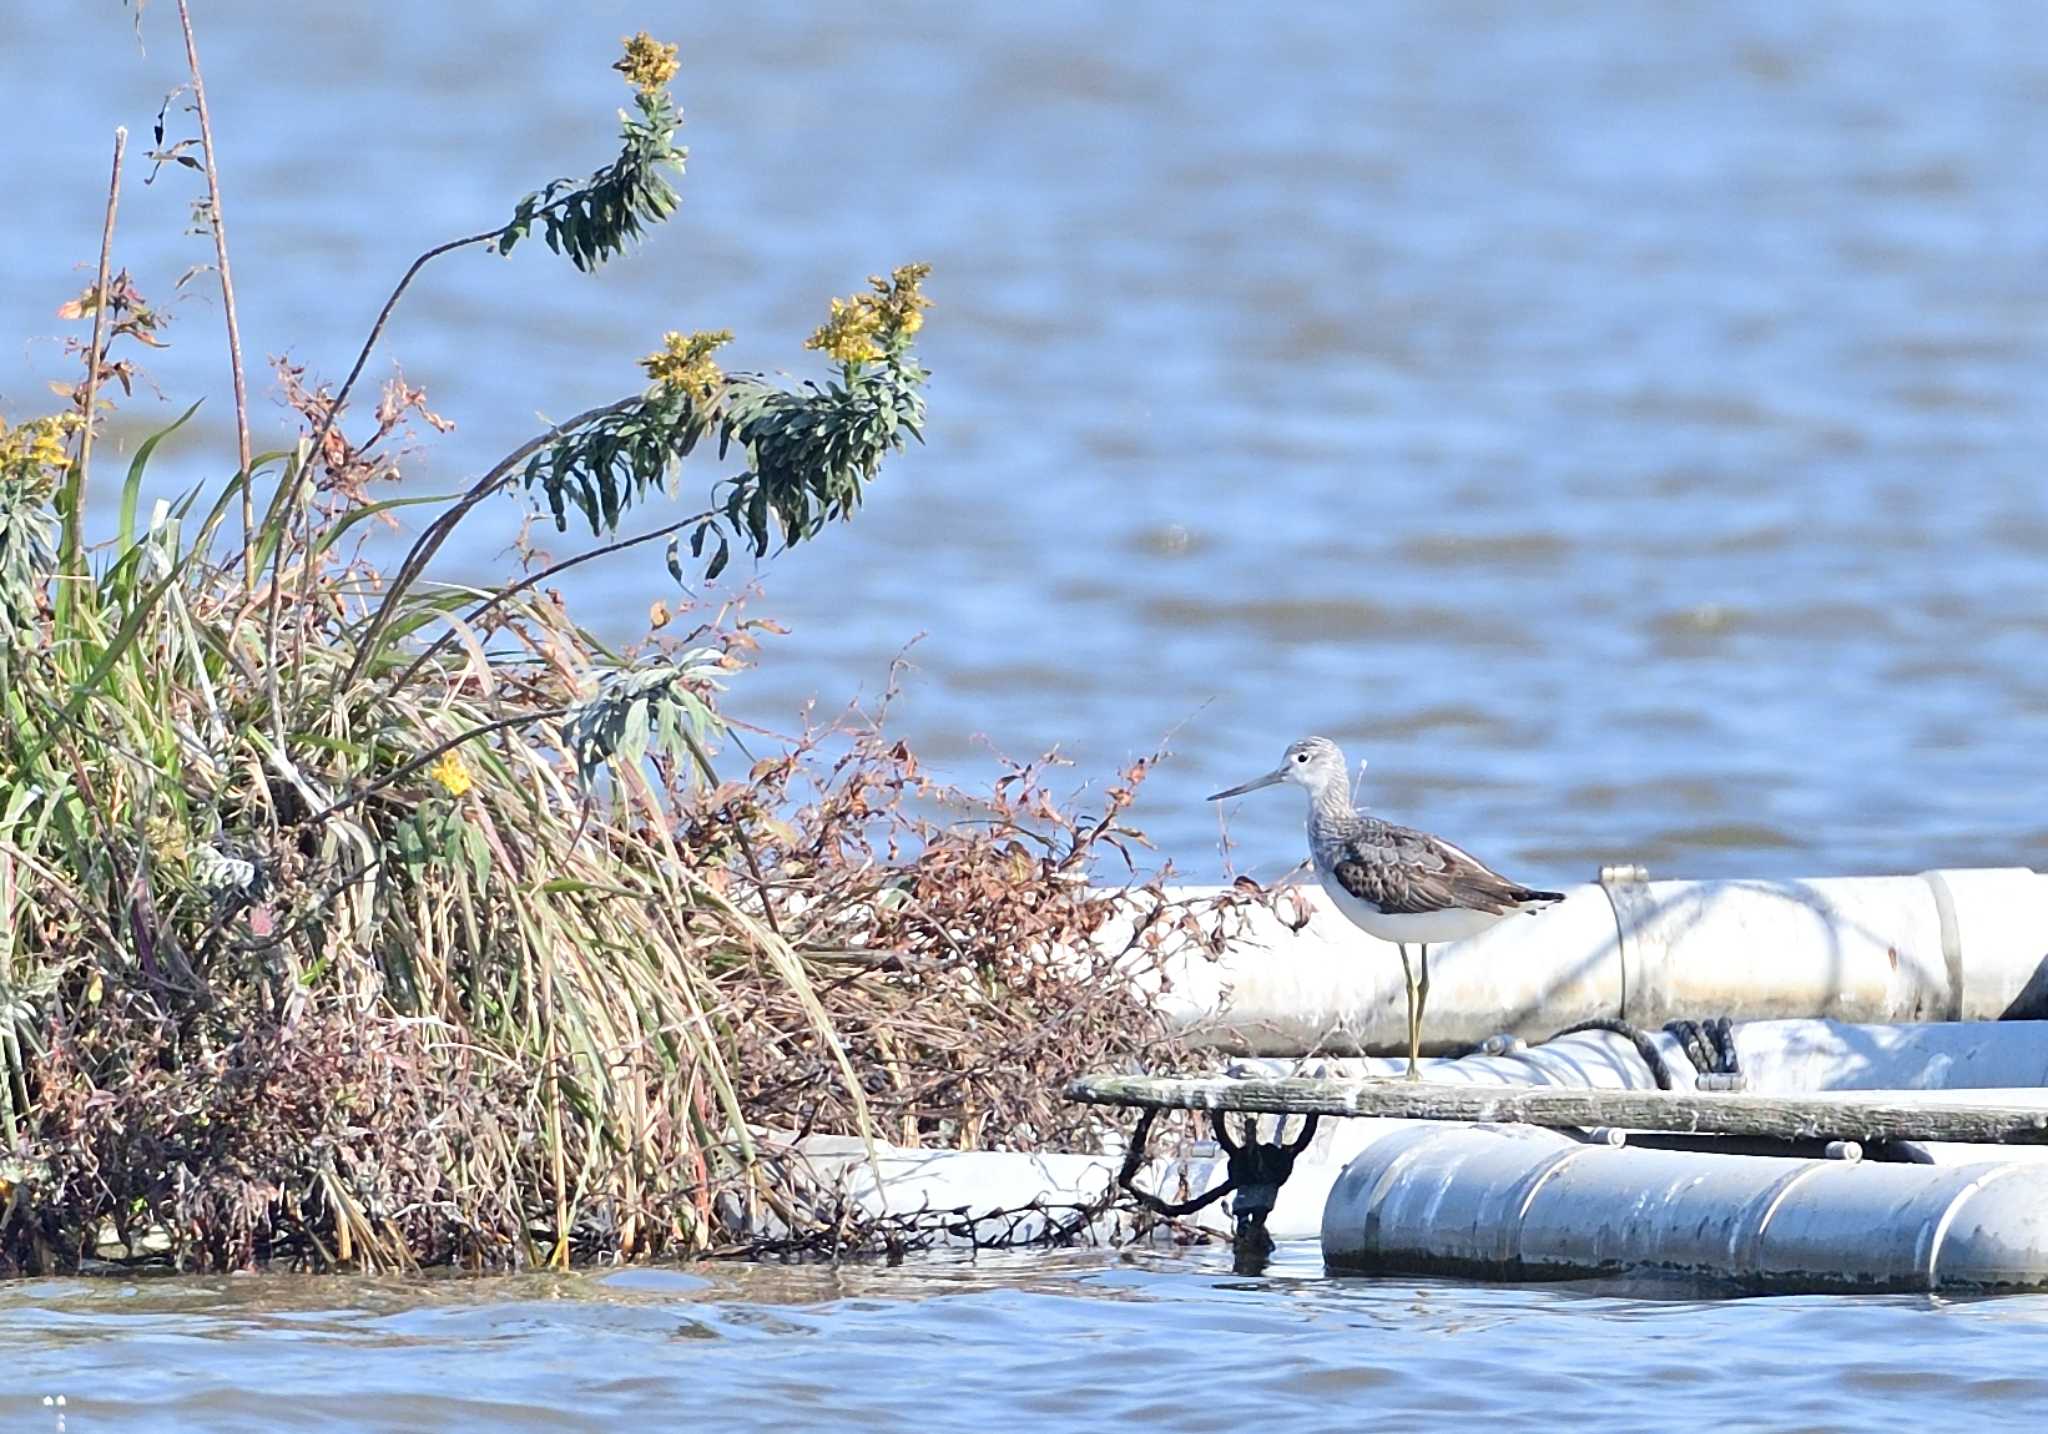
x=1078, y=1340
x=1621, y=422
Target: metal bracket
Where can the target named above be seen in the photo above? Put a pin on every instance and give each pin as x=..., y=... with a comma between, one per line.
x=1628, y=891
x=1256, y=1170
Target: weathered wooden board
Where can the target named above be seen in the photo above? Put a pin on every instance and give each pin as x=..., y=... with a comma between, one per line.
x=1844, y=1115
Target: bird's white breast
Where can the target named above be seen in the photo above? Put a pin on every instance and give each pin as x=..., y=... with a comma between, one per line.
x=1427, y=927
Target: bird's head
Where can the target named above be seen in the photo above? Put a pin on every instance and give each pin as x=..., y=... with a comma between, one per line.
x=1313, y=763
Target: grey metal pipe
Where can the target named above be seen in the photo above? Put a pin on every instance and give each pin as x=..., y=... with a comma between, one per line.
x=1517, y=1203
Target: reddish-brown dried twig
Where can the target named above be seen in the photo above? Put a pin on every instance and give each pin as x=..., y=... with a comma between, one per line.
x=75, y=484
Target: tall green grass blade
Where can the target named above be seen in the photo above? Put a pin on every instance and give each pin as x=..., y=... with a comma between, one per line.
x=333, y=534
x=131, y=488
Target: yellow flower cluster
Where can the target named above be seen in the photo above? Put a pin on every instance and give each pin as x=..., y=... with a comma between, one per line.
x=648, y=64
x=38, y=443
x=451, y=774
x=849, y=335
x=860, y=327
x=684, y=361
x=901, y=304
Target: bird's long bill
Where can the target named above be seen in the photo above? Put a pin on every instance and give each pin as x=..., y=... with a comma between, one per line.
x=1278, y=774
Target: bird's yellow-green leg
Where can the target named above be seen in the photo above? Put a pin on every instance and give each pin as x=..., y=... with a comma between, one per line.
x=1421, y=1003
x=1414, y=1015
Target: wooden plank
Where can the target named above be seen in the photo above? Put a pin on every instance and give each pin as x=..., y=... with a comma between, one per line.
x=1841, y=1115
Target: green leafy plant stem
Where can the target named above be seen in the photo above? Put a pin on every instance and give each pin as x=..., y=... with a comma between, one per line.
x=437, y=533
x=355, y=372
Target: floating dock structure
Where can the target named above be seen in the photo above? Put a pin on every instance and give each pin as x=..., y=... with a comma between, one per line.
x=1874, y=1119
x=1539, y=1183
x=1859, y=1116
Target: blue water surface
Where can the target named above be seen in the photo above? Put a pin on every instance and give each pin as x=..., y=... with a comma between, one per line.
x=1620, y=422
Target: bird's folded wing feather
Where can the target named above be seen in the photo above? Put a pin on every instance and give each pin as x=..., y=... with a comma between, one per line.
x=1406, y=872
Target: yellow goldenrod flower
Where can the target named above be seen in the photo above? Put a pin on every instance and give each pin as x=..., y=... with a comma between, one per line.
x=684, y=361
x=40, y=442
x=902, y=306
x=451, y=774
x=849, y=335
x=862, y=327
x=47, y=449
x=648, y=64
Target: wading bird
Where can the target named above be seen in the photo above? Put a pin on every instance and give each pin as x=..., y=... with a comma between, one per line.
x=1393, y=882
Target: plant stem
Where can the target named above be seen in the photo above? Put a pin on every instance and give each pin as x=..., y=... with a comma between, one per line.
x=504, y=595
x=316, y=445
x=227, y=294
x=74, y=485
x=429, y=542
x=377, y=331
x=428, y=757
x=384, y=317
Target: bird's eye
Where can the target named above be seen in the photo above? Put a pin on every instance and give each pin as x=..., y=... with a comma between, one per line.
x=1301, y=756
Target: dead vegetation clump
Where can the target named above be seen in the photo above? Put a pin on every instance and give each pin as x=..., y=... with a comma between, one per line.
x=967, y=956
x=316, y=1137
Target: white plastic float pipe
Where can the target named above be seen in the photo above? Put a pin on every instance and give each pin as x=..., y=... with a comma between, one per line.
x=1520, y=1203
x=956, y=1196
x=1941, y=946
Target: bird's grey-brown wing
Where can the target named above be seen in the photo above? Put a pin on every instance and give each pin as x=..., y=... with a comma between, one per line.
x=1405, y=872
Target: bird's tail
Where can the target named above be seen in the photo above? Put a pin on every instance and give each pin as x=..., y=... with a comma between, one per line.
x=1532, y=901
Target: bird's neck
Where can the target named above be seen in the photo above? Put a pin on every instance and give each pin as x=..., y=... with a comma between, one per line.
x=1329, y=805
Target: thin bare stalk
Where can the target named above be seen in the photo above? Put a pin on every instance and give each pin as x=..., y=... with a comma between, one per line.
x=227, y=295
x=377, y=331
x=75, y=484
x=504, y=595
x=316, y=445
x=430, y=541
x=355, y=372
